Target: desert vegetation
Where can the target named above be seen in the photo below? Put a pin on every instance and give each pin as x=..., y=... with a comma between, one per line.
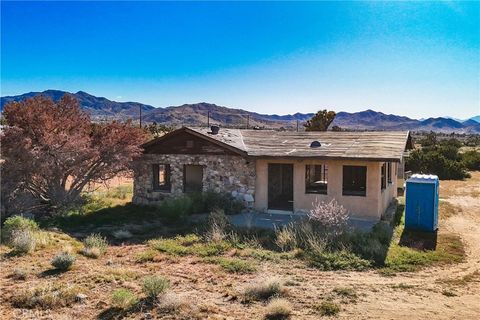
x=143, y=263
x=449, y=158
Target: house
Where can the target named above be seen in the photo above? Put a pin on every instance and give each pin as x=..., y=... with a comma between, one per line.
x=275, y=171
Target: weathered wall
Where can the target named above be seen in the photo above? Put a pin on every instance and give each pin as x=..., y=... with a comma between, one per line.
x=371, y=206
x=221, y=173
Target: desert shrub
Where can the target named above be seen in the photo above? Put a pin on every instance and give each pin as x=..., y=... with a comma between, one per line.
x=218, y=223
x=263, y=289
x=155, y=285
x=146, y=256
x=42, y=239
x=347, y=293
x=330, y=217
x=328, y=308
x=122, y=234
x=169, y=246
x=233, y=265
x=48, y=296
x=442, y=161
x=278, y=309
x=19, y=274
x=123, y=299
x=373, y=245
x=17, y=223
x=209, y=201
x=94, y=246
x=339, y=260
x=22, y=241
x=171, y=302
x=471, y=160
x=176, y=210
x=63, y=261
x=285, y=238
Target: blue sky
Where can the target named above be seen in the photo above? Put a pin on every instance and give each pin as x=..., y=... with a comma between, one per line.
x=418, y=59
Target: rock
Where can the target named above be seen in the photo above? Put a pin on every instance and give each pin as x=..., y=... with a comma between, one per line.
x=234, y=194
x=80, y=298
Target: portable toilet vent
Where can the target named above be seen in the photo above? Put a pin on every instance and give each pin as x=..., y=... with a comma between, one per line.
x=421, y=202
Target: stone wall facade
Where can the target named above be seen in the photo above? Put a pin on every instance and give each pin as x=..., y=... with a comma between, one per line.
x=221, y=173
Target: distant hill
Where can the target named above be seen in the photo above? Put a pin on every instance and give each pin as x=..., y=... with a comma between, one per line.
x=96, y=106
x=476, y=119
x=197, y=114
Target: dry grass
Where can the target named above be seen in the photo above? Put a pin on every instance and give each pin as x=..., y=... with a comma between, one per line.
x=47, y=296
x=278, y=309
x=263, y=289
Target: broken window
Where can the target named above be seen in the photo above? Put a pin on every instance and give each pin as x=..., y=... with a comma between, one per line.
x=161, y=177
x=354, y=181
x=383, y=176
x=316, y=178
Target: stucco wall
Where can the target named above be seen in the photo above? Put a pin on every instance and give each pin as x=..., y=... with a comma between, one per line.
x=373, y=205
x=221, y=173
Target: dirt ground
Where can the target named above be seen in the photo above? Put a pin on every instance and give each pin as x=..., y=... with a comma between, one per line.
x=442, y=292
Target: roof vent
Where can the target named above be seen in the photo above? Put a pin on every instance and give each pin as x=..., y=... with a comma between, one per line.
x=315, y=144
x=214, y=129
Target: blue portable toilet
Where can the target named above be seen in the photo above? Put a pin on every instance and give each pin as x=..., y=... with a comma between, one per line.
x=421, y=202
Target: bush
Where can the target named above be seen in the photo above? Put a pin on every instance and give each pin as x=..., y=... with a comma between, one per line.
x=123, y=299
x=146, y=256
x=22, y=241
x=209, y=201
x=341, y=260
x=48, y=296
x=331, y=217
x=442, y=161
x=285, y=238
x=373, y=245
x=278, y=309
x=471, y=160
x=263, y=289
x=218, y=223
x=63, y=261
x=95, y=246
x=170, y=302
x=328, y=308
x=19, y=274
x=176, y=210
x=17, y=223
x=155, y=285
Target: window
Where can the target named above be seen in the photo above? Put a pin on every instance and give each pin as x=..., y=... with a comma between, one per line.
x=316, y=179
x=383, y=176
x=354, y=181
x=389, y=172
x=161, y=177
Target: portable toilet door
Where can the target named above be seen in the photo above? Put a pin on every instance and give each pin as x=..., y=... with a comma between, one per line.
x=421, y=202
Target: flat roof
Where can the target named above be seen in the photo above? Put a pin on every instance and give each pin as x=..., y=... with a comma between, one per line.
x=365, y=145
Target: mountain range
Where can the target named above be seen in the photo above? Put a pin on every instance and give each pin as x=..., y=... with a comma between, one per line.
x=199, y=114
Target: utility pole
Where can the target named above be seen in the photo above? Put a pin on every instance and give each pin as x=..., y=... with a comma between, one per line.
x=248, y=120
x=140, y=108
x=297, y=125
x=208, y=118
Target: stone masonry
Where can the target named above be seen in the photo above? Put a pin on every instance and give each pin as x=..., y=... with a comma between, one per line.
x=221, y=173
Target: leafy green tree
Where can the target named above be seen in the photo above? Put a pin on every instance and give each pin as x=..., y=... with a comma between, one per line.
x=320, y=121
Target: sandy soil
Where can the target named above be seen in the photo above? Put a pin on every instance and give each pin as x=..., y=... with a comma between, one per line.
x=210, y=293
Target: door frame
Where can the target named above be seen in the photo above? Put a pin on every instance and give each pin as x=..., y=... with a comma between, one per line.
x=278, y=209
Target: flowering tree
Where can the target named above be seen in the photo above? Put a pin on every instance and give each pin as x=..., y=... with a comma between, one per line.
x=331, y=216
x=51, y=151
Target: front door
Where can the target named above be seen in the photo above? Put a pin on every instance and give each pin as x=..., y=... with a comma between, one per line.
x=280, y=186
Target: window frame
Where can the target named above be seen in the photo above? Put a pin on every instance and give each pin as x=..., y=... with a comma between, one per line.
x=383, y=176
x=323, y=177
x=389, y=172
x=353, y=169
x=166, y=187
